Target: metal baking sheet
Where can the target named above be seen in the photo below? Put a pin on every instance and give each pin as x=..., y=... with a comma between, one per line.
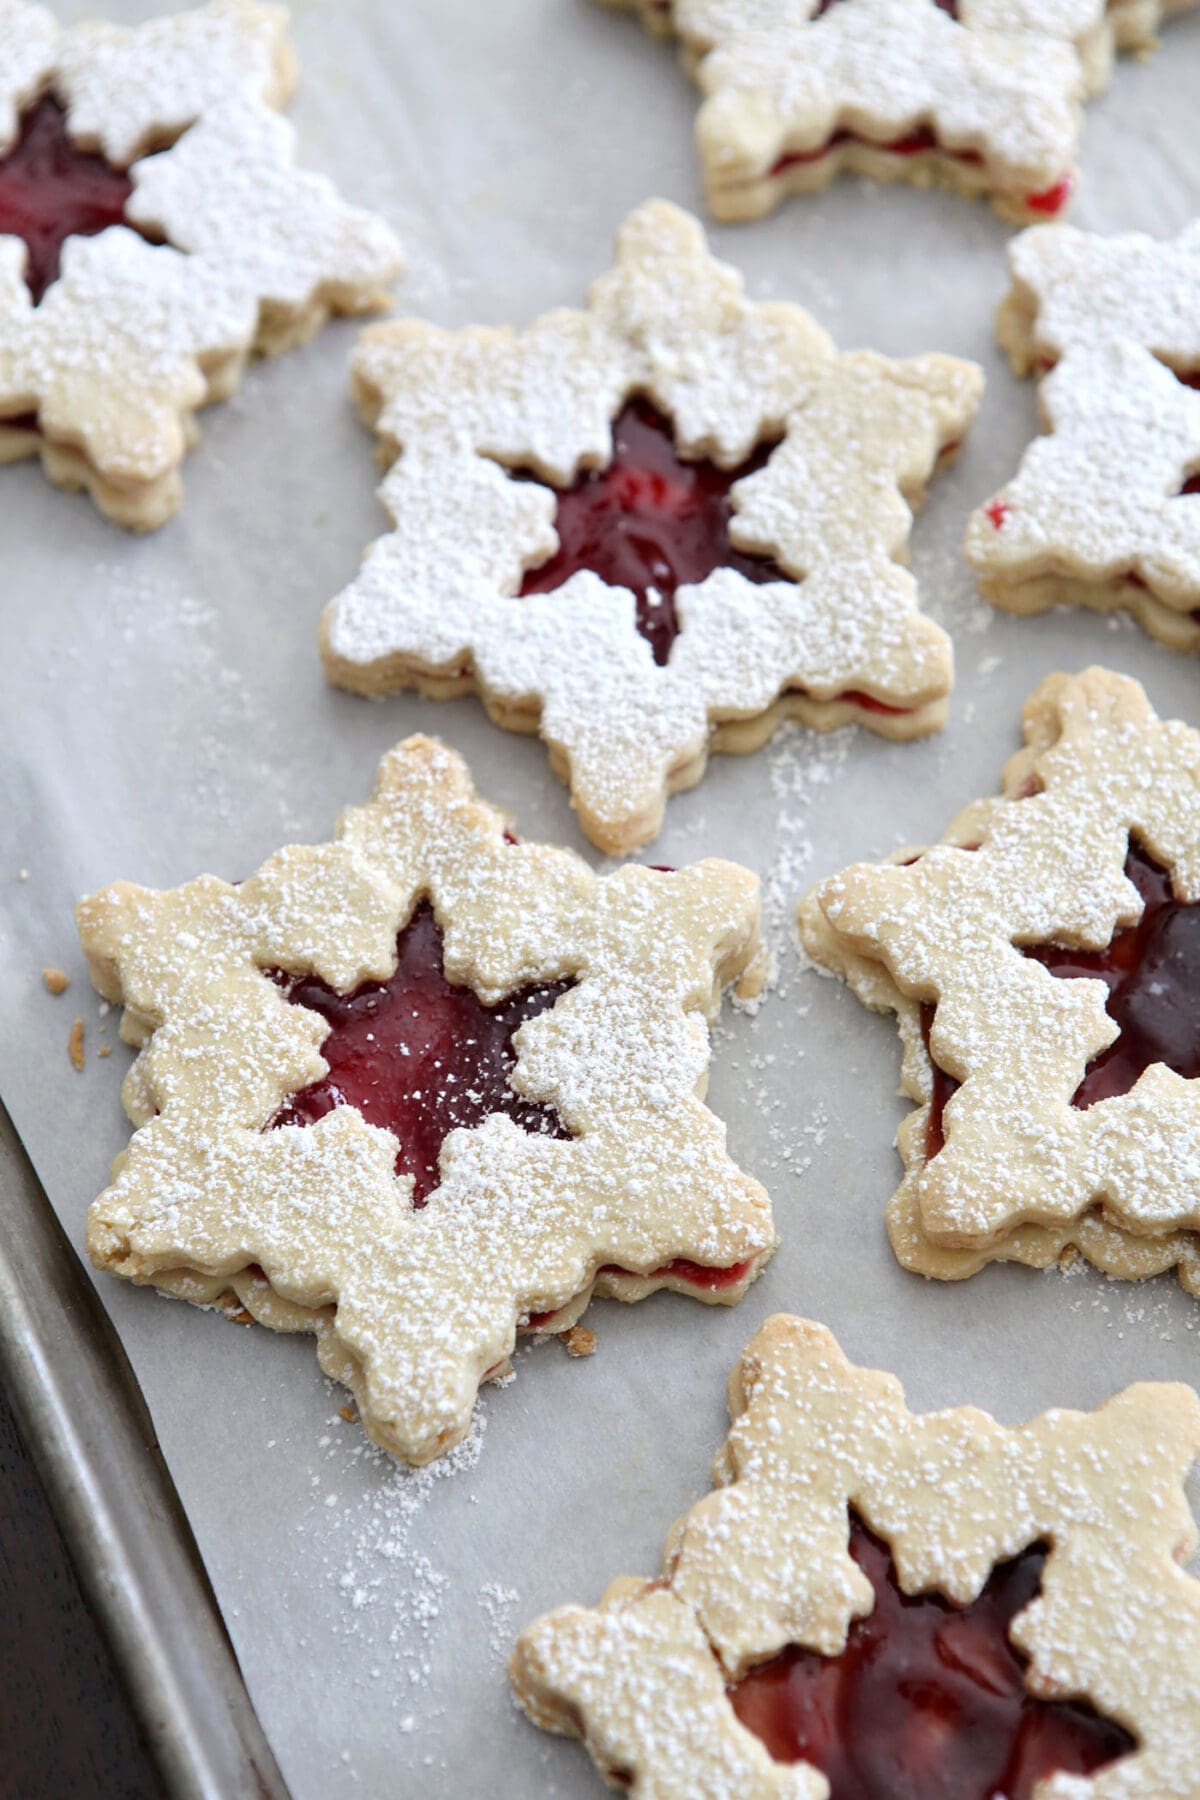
x=165, y=713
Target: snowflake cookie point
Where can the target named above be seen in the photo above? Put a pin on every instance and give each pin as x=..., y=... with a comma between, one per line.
x=1041, y=961
x=154, y=233
x=422, y=1087
x=1030, y=1576
x=651, y=528
x=1103, y=511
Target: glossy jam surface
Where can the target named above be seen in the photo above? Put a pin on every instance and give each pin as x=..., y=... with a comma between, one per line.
x=927, y=1701
x=1152, y=971
x=650, y=522
x=419, y=1055
x=50, y=191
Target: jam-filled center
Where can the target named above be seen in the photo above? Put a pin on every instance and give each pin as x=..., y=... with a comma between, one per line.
x=1152, y=971
x=928, y=1700
x=650, y=522
x=51, y=190
x=419, y=1055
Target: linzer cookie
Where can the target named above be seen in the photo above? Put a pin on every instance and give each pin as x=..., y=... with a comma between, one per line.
x=153, y=234
x=1104, y=511
x=896, y=1606
x=651, y=528
x=983, y=99
x=1043, y=960
x=424, y=1087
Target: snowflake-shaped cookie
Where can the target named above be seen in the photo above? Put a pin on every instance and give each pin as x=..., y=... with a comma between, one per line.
x=154, y=161
x=832, y=1501
x=1039, y=960
x=545, y=1067
x=1104, y=511
x=789, y=597
x=983, y=98
x=1072, y=289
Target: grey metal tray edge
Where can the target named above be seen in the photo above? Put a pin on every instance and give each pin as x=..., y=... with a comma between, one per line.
x=82, y=1414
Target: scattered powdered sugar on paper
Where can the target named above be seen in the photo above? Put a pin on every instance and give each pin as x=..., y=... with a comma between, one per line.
x=373, y=1553
x=180, y=637
x=802, y=765
x=497, y=1603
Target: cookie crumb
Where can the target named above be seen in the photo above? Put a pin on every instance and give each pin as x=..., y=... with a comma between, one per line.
x=104, y=1050
x=348, y=1413
x=579, y=1341
x=55, y=981
x=75, y=1045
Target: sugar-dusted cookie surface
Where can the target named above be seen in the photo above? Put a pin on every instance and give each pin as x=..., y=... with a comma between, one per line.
x=422, y=1087
x=154, y=232
x=650, y=528
x=1072, y=290
x=1043, y=960
x=983, y=98
x=899, y=1604
x=1104, y=511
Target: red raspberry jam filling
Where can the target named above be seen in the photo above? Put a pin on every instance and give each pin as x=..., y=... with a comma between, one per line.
x=943, y=1086
x=1152, y=971
x=928, y=1700
x=650, y=522
x=419, y=1055
x=50, y=190
x=698, y=1275
x=1050, y=201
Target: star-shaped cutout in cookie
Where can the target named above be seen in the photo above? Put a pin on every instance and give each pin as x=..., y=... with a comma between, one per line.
x=423, y=1087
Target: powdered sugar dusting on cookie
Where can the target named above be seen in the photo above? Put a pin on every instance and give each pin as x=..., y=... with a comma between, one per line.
x=1076, y=289
x=1022, y=1171
x=436, y=607
x=1097, y=511
x=1102, y=512
x=135, y=336
x=29, y=37
x=762, y=1562
x=987, y=101
x=309, y=1226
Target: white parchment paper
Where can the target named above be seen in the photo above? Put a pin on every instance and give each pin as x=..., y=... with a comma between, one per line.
x=164, y=712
